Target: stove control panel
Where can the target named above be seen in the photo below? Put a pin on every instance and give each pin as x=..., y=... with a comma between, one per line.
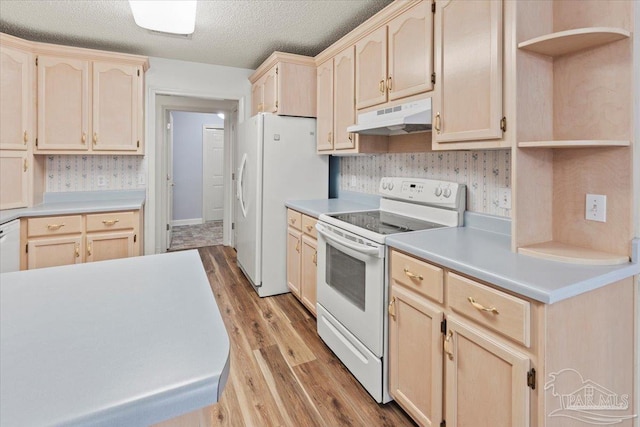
x=428, y=191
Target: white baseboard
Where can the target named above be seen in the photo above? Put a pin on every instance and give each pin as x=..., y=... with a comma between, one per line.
x=192, y=221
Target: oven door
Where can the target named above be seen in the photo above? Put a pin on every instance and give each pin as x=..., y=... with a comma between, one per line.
x=351, y=283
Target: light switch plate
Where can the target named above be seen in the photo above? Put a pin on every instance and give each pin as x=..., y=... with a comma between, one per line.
x=596, y=207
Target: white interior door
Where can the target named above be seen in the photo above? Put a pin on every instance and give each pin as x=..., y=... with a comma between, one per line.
x=169, y=178
x=213, y=175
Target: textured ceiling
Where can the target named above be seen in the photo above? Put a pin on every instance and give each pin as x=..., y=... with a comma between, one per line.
x=240, y=33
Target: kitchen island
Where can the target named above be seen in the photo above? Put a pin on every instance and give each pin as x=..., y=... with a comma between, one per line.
x=131, y=341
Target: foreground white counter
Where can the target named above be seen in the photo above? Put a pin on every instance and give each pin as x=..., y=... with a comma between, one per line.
x=125, y=342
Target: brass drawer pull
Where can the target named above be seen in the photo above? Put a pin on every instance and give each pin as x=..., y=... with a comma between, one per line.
x=89, y=249
x=309, y=228
x=481, y=307
x=54, y=227
x=109, y=222
x=293, y=220
x=448, y=344
x=392, y=308
x=413, y=275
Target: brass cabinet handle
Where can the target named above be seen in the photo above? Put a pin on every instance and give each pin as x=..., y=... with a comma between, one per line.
x=350, y=136
x=108, y=222
x=389, y=84
x=309, y=227
x=315, y=258
x=89, y=249
x=276, y=109
x=77, y=250
x=298, y=246
x=381, y=86
x=329, y=137
x=392, y=308
x=413, y=275
x=446, y=345
x=54, y=227
x=25, y=137
x=481, y=307
x=84, y=137
x=436, y=123
x=26, y=165
x=95, y=138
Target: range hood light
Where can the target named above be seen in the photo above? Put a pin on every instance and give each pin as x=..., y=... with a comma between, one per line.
x=165, y=16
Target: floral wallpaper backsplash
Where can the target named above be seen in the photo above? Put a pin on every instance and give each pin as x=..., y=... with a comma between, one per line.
x=94, y=173
x=484, y=173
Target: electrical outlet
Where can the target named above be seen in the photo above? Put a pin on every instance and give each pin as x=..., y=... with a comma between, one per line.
x=596, y=208
x=102, y=181
x=353, y=181
x=504, y=198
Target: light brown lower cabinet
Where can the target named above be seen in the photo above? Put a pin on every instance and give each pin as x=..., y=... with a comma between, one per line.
x=72, y=239
x=302, y=258
x=482, y=356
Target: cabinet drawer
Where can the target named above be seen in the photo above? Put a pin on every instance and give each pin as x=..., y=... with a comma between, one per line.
x=496, y=310
x=111, y=221
x=424, y=278
x=294, y=219
x=309, y=226
x=54, y=225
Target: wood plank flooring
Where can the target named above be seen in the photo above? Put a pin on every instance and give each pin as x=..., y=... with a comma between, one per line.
x=281, y=373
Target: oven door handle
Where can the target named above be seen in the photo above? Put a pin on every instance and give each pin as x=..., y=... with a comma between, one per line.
x=367, y=250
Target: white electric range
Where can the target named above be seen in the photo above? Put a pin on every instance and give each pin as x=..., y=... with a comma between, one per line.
x=352, y=270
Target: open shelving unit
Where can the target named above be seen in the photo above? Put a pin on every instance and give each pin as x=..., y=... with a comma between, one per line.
x=574, y=131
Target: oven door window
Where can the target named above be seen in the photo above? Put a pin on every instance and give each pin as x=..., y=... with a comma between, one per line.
x=346, y=275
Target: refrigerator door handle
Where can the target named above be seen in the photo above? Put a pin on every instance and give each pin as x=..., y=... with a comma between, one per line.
x=240, y=191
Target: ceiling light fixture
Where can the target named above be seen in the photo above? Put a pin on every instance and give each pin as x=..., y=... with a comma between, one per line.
x=167, y=16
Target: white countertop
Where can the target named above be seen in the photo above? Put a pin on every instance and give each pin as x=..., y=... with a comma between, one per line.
x=79, y=202
x=324, y=206
x=124, y=342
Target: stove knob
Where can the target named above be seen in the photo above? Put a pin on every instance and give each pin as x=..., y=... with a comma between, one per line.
x=438, y=192
x=391, y=186
x=447, y=192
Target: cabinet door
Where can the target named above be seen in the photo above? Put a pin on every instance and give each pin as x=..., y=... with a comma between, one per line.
x=52, y=252
x=415, y=356
x=16, y=101
x=14, y=179
x=486, y=379
x=411, y=52
x=344, y=109
x=63, y=104
x=117, y=107
x=256, y=98
x=270, y=91
x=308, y=274
x=467, y=103
x=371, y=69
x=294, y=243
x=104, y=246
x=324, y=101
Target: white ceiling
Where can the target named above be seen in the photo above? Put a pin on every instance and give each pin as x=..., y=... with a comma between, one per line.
x=236, y=33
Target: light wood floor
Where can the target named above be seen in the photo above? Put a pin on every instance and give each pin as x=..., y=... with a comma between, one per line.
x=281, y=373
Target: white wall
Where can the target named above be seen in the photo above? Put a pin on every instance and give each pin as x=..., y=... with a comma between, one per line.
x=171, y=77
x=187, y=163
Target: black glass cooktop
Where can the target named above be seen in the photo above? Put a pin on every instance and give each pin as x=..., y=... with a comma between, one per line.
x=382, y=222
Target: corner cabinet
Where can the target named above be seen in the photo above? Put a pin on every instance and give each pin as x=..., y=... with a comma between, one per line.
x=72, y=239
x=284, y=84
x=396, y=61
x=302, y=258
x=468, y=94
x=14, y=178
x=89, y=106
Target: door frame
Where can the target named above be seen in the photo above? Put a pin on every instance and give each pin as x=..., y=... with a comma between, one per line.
x=154, y=212
x=224, y=177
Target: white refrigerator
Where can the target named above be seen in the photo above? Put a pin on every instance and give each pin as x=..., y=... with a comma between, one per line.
x=277, y=161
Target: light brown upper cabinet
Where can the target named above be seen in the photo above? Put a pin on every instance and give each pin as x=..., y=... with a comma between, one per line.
x=467, y=100
x=284, y=84
x=89, y=106
x=14, y=178
x=16, y=102
x=324, y=76
x=344, y=109
x=396, y=60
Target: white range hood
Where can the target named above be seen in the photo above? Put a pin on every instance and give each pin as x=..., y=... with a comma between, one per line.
x=402, y=119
